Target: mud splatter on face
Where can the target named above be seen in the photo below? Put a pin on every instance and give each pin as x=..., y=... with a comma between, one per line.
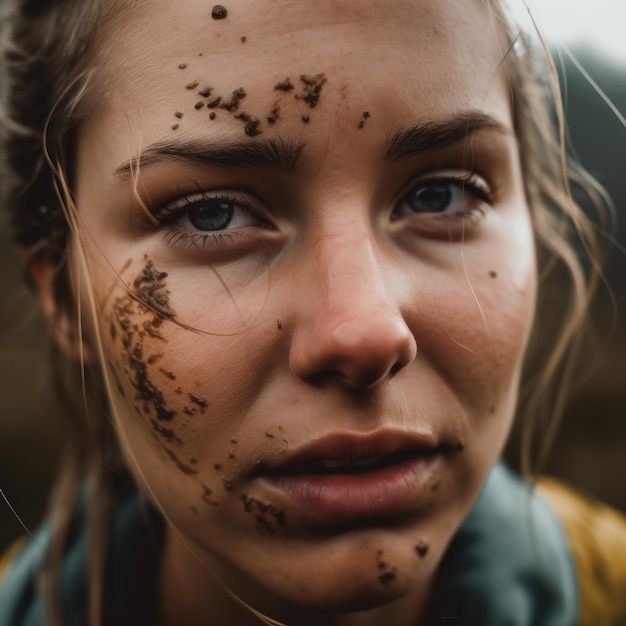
x=207, y=492
x=284, y=85
x=268, y=518
x=213, y=103
x=166, y=433
x=150, y=288
x=273, y=115
x=219, y=12
x=252, y=123
x=200, y=401
x=183, y=467
x=387, y=574
x=235, y=99
x=312, y=88
x=422, y=548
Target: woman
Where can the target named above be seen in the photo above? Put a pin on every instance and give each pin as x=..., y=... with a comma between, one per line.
x=295, y=247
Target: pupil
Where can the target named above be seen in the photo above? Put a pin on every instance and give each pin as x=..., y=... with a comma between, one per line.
x=215, y=215
x=432, y=199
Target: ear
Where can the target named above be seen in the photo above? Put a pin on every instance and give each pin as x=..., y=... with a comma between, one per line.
x=60, y=318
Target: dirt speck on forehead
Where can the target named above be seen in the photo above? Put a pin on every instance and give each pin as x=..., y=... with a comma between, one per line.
x=219, y=12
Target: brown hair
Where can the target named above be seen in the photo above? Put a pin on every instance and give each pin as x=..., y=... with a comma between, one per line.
x=47, y=60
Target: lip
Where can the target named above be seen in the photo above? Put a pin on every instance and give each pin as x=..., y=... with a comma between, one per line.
x=397, y=485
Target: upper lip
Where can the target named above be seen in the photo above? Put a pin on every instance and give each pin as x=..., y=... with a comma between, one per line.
x=350, y=446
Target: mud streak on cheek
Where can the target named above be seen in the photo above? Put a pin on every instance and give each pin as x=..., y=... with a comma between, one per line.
x=137, y=328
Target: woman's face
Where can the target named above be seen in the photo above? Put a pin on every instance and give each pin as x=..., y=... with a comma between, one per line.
x=313, y=276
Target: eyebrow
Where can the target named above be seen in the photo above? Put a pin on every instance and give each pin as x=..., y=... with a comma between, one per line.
x=422, y=137
x=271, y=154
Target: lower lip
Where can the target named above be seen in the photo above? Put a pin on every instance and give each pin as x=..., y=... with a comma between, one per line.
x=342, y=497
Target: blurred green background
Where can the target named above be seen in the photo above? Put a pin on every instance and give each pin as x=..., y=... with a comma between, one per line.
x=591, y=449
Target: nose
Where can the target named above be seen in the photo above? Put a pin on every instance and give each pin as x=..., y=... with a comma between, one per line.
x=351, y=329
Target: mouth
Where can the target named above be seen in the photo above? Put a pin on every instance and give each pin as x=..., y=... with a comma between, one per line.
x=362, y=465
x=348, y=477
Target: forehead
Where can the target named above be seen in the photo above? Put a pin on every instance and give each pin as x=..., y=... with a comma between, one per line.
x=421, y=51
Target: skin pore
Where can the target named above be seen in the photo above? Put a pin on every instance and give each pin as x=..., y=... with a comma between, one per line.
x=304, y=224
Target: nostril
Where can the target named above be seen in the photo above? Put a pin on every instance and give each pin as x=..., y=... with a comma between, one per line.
x=395, y=368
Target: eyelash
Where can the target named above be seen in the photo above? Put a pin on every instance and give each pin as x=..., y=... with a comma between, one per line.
x=465, y=183
x=178, y=235
x=175, y=235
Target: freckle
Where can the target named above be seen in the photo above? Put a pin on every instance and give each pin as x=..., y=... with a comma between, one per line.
x=178, y=391
x=422, y=548
x=219, y=12
x=198, y=105
x=228, y=484
x=193, y=461
x=205, y=93
x=279, y=325
x=233, y=440
x=366, y=114
x=192, y=85
x=217, y=466
x=269, y=435
x=382, y=565
x=182, y=66
x=178, y=114
x=493, y=274
x=361, y=124
x=175, y=127
x=194, y=511
x=285, y=441
x=231, y=456
x=243, y=39
x=212, y=115
x=306, y=118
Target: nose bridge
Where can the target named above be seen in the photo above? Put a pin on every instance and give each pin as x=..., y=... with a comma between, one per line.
x=348, y=271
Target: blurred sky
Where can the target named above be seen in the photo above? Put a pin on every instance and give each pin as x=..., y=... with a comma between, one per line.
x=600, y=24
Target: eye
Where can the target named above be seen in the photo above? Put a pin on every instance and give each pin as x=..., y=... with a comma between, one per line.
x=208, y=212
x=444, y=194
